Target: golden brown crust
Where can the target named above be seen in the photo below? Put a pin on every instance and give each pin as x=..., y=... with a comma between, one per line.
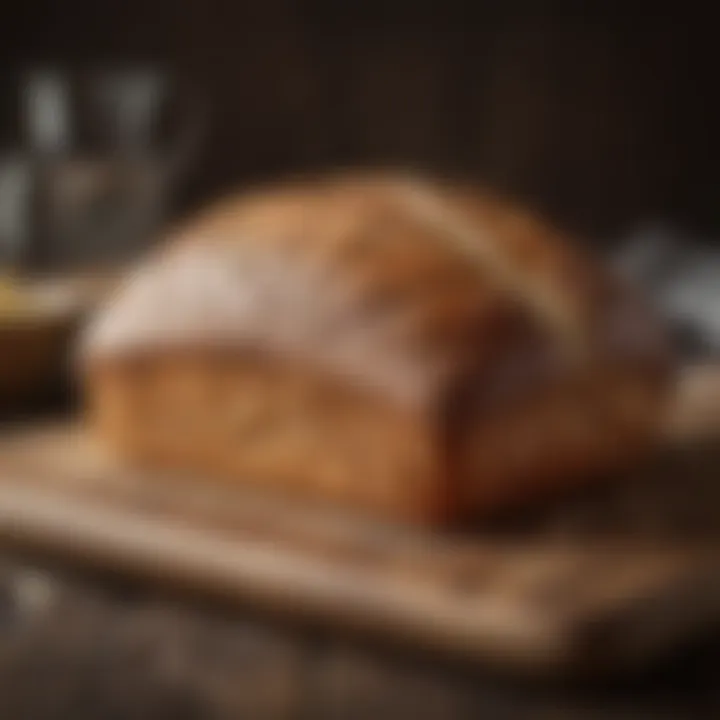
x=278, y=425
x=398, y=280
x=478, y=320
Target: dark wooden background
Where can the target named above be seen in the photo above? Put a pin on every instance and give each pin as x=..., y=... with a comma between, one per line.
x=604, y=117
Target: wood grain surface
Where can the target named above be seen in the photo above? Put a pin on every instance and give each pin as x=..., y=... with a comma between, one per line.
x=599, y=581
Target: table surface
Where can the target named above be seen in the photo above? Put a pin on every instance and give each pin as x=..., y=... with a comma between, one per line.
x=77, y=646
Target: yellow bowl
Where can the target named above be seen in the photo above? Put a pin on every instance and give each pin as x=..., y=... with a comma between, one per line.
x=33, y=356
x=38, y=323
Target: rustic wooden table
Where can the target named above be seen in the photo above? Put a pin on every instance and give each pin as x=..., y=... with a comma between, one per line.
x=75, y=646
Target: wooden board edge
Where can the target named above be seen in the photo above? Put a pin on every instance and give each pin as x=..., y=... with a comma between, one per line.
x=180, y=557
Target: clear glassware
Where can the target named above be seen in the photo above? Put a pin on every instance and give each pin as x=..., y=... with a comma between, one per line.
x=98, y=166
x=16, y=210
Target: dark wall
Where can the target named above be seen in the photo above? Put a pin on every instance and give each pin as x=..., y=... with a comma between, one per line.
x=602, y=118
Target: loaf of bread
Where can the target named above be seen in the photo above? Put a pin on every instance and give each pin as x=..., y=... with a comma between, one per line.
x=412, y=348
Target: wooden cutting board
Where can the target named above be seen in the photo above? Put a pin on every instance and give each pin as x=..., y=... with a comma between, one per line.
x=605, y=580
